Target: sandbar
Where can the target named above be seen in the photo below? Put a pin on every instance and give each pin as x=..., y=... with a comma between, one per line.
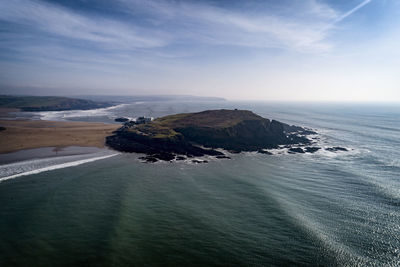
x=28, y=134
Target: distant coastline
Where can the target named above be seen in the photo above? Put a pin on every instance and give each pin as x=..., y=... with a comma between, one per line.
x=87, y=102
x=49, y=103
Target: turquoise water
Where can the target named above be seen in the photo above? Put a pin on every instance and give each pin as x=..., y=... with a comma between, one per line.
x=313, y=209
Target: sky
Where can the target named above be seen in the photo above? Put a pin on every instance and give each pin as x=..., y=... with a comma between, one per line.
x=285, y=50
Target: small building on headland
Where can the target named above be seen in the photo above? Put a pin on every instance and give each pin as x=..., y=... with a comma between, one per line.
x=128, y=123
x=137, y=121
x=143, y=120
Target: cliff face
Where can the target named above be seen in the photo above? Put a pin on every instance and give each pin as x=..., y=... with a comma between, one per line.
x=128, y=141
x=244, y=136
x=234, y=130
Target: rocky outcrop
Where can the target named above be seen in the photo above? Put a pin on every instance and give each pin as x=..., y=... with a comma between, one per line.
x=336, y=149
x=121, y=119
x=198, y=134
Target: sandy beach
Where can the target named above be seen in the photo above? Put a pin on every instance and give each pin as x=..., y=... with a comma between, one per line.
x=28, y=134
x=6, y=113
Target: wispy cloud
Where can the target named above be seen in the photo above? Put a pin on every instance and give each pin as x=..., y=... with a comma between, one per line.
x=153, y=28
x=303, y=27
x=57, y=21
x=350, y=12
x=215, y=25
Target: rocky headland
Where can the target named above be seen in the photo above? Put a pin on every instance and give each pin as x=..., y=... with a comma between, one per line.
x=208, y=132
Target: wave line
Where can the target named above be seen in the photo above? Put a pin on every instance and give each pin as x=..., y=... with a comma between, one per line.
x=57, y=166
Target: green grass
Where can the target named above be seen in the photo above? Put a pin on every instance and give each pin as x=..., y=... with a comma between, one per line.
x=154, y=130
x=210, y=118
x=164, y=127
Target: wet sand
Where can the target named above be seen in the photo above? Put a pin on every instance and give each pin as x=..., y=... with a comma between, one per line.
x=47, y=152
x=28, y=134
x=7, y=113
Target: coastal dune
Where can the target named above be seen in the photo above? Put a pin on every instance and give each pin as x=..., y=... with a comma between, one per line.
x=24, y=134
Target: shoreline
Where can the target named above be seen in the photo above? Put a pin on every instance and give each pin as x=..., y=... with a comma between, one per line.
x=12, y=113
x=33, y=134
x=47, y=152
x=6, y=113
x=39, y=160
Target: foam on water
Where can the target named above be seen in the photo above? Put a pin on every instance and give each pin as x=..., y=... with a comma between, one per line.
x=29, y=167
x=66, y=114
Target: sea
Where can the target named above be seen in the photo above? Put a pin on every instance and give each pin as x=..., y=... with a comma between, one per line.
x=105, y=208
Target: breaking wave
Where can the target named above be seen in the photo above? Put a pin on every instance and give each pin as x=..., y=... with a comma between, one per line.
x=35, y=166
x=66, y=114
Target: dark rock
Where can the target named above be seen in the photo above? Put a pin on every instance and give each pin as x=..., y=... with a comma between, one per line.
x=308, y=132
x=199, y=161
x=312, y=149
x=158, y=156
x=149, y=159
x=223, y=157
x=164, y=156
x=297, y=129
x=132, y=142
x=2, y=128
x=261, y=151
x=296, y=150
x=121, y=119
x=336, y=148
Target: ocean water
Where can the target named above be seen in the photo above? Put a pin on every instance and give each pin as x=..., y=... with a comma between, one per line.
x=327, y=208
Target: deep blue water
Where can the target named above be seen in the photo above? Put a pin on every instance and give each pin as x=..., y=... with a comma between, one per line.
x=286, y=209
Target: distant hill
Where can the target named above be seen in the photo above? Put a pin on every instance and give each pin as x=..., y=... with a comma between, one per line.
x=148, y=98
x=49, y=103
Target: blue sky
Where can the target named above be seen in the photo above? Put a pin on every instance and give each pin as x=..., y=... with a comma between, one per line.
x=304, y=50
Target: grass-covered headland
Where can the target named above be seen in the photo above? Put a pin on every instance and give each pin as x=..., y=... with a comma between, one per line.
x=198, y=134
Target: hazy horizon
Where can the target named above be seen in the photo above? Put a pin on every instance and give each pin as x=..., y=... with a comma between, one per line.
x=308, y=51
x=99, y=97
